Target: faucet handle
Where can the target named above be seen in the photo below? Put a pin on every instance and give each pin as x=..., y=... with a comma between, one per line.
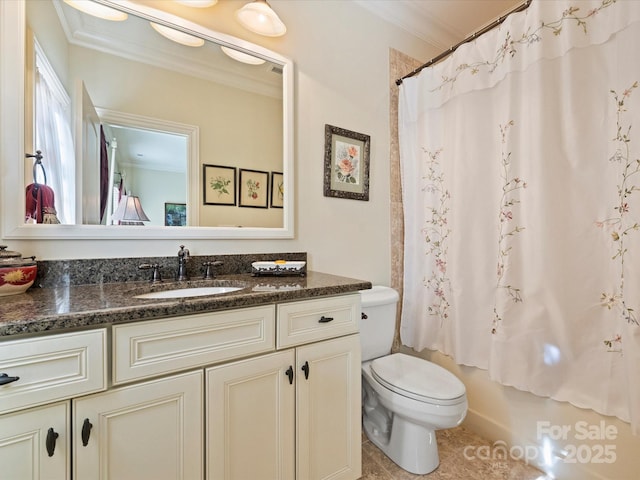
x=155, y=274
x=183, y=252
x=208, y=275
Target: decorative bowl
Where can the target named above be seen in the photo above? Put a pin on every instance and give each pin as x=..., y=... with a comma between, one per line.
x=16, y=273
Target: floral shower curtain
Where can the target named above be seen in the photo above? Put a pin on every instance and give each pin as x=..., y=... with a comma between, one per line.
x=521, y=190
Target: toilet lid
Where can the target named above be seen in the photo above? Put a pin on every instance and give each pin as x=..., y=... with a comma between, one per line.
x=417, y=378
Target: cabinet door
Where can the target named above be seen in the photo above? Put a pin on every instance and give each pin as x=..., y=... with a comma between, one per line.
x=34, y=444
x=152, y=430
x=328, y=410
x=250, y=419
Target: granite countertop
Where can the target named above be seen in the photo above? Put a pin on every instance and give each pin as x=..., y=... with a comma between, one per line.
x=55, y=309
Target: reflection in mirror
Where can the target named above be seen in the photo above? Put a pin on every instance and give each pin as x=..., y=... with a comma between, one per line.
x=146, y=114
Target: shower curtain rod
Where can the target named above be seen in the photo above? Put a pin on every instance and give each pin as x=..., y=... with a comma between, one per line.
x=450, y=50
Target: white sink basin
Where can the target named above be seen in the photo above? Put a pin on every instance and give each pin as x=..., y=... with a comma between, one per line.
x=189, y=292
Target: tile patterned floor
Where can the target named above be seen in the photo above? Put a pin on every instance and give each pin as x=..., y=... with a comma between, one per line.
x=453, y=464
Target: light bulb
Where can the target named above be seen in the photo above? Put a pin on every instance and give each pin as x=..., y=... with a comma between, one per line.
x=97, y=10
x=242, y=57
x=258, y=17
x=198, y=3
x=177, y=36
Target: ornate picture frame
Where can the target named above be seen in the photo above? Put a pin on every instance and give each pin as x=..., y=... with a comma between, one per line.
x=346, y=163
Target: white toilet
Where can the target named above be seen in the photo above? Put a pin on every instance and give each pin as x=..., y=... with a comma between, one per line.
x=405, y=399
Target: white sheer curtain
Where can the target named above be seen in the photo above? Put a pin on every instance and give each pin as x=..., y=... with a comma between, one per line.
x=521, y=189
x=53, y=137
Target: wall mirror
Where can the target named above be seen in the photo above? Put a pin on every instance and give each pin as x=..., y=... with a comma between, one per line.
x=177, y=121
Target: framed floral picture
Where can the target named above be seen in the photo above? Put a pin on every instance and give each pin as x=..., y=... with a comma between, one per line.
x=175, y=214
x=219, y=185
x=277, y=190
x=346, y=163
x=253, y=186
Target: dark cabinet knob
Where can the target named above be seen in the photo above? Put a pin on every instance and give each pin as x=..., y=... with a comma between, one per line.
x=86, y=432
x=305, y=369
x=5, y=379
x=324, y=319
x=50, y=441
x=289, y=373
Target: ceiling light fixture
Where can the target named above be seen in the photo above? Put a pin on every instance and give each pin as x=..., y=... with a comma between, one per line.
x=258, y=17
x=198, y=3
x=97, y=10
x=242, y=57
x=177, y=36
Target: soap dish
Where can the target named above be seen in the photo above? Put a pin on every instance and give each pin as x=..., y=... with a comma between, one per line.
x=279, y=267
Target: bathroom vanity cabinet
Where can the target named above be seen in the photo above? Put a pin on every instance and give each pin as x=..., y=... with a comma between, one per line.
x=49, y=370
x=270, y=391
x=294, y=413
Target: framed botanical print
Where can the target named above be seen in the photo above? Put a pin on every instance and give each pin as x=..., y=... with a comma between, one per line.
x=219, y=185
x=253, y=187
x=277, y=190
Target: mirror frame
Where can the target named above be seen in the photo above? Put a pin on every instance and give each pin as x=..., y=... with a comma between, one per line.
x=12, y=138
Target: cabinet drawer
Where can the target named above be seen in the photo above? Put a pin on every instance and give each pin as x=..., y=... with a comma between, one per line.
x=312, y=320
x=52, y=368
x=146, y=349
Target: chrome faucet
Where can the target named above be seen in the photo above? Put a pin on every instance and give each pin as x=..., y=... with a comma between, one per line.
x=183, y=257
x=155, y=275
x=209, y=272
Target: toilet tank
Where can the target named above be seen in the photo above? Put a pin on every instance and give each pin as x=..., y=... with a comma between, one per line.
x=378, y=328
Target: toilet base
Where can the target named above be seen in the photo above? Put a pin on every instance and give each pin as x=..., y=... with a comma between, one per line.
x=412, y=447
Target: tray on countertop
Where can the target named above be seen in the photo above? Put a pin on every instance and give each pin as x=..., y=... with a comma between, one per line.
x=279, y=268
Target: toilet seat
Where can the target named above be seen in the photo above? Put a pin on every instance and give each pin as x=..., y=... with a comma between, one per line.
x=418, y=379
